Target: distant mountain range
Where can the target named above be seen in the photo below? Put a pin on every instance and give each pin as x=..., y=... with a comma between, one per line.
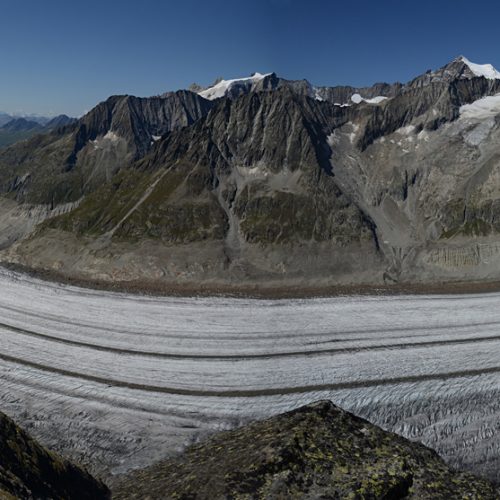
x=41, y=120
x=266, y=181
x=16, y=129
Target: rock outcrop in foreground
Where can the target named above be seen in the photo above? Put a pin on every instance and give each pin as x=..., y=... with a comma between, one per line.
x=28, y=471
x=317, y=451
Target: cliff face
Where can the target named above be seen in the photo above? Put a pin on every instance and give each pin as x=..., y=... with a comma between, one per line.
x=317, y=451
x=28, y=471
x=75, y=159
x=272, y=181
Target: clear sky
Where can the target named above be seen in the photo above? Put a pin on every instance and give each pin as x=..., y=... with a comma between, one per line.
x=64, y=56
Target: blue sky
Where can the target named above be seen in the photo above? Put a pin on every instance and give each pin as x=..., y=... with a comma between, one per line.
x=65, y=56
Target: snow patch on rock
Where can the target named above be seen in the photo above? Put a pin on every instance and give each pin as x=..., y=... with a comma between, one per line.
x=109, y=138
x=409, y=129
x=356, y=99
x=317, y=94
x=112, y=136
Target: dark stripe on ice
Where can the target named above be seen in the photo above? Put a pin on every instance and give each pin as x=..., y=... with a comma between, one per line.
x=252, y=393
x=242, y=357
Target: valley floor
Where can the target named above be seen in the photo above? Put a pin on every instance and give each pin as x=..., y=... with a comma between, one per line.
x=118, y=381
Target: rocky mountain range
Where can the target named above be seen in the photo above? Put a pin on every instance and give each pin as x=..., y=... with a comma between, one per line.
x=263, y=181
x=40, y=119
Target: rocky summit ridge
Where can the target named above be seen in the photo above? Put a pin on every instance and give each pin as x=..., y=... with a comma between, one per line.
x=263, y=181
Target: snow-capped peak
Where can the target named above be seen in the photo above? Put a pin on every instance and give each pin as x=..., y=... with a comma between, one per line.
x=486, y=70
x=221, y=88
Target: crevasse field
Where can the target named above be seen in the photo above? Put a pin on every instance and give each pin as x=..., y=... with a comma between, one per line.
x=119, y=381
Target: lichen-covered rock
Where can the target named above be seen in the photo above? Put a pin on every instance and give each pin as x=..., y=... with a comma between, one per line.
x=28, y=471
x=317, y=451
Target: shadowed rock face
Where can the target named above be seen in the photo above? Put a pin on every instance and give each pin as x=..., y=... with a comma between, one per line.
x=317, y=451
x=29, y=471
x=141, y=121
x=277, y=182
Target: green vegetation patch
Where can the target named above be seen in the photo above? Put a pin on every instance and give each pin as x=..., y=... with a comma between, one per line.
x=282, y=217
x=7, y=138
x=169, y=205
x=102, y=210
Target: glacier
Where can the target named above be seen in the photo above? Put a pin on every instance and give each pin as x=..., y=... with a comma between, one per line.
x=118, y=381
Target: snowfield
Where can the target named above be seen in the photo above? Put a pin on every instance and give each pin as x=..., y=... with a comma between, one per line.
x=485, y=70
x=119, y=381
x=221, y=88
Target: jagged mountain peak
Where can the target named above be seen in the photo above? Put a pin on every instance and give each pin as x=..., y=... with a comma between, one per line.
x=463, y=68
x=459, y=68
x=256, y=129
x=257, y=82
x=126, y=114
x=485, y=70
x=60, y=121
